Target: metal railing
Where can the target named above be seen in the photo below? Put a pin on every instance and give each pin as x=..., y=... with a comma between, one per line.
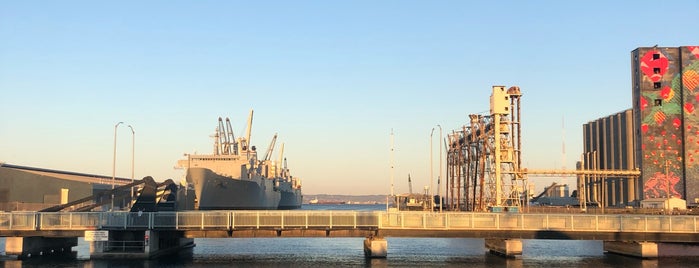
x=233, y=220
x=540, y=222
x=125, y=246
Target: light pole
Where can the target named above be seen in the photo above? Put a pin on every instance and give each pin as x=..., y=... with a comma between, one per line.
x=439, y=177
x=114, y=161
x=133, y=153
x=430, y=192
x=667, y=180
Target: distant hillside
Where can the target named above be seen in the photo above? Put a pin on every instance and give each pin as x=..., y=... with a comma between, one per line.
x=345, y=198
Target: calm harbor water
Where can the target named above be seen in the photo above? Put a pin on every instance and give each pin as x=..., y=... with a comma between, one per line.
x=348, y=252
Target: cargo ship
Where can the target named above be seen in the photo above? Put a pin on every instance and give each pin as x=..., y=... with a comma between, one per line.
x=233, y=177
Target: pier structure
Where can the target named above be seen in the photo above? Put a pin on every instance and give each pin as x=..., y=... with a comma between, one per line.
x=150, y=234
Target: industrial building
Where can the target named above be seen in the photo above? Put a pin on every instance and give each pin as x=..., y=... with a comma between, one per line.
x=19, y=191
x=608, y=144
x=659, y=136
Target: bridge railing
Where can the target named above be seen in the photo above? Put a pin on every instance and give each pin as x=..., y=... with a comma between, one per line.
x=68, y=221
x=229, y=220
x=18, y=221
x=232, y=220
x=537, y=222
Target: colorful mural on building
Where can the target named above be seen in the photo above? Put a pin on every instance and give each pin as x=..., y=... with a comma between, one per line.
x=669, y=137
x=661, y=122
x=689, y=81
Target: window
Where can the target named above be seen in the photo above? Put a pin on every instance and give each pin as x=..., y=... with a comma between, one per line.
x=656, y=70
x=658, y=102
x=656, y=56
x=656, y=85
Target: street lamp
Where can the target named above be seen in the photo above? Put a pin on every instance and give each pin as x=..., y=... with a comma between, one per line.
x=439, y=177
x=430, y=192
x=133, y=153
x=114, y=161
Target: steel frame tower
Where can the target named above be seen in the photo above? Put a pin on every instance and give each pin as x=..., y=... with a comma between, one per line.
x=483, y=159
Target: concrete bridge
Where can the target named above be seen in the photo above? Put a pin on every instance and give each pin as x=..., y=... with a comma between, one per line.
x=147, y=234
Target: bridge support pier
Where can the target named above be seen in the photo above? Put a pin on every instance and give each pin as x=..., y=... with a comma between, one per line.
x=139, y=244
x=509, y=248
x=648, y=250
x=33, y=246
x=375, y=247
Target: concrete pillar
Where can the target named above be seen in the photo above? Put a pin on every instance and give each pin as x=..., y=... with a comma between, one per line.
x=98, y=247
x=632, y=248
x=151, y=244
x=509, y=248
x=25, y=247
x=154, y=244
x=375, y=247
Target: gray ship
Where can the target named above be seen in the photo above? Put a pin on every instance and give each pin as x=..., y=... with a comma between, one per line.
x=233, y=177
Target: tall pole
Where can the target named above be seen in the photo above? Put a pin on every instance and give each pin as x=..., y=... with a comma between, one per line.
x=439, y=177
x=133, y=154
x=392, y=191
x=431, y=183
x=667, y=180
x=114, y=162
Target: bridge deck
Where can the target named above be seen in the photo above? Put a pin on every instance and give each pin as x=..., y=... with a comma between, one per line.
x=300, y=223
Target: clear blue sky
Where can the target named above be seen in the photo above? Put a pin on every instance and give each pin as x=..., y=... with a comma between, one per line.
x=331, y=77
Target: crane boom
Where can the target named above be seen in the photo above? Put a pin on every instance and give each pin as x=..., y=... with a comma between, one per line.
x=249, y=129
x=270, y=149
x=220, y=138
x=279, y=161
x=231, y=136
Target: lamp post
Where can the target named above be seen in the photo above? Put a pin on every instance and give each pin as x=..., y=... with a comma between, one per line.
x=114, y=161
x=667, y=180
x=133, y=153
x=430, y=192
x=439, y=177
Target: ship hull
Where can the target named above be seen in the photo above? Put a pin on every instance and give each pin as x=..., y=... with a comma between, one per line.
x=291, y=199
x=217, y=192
